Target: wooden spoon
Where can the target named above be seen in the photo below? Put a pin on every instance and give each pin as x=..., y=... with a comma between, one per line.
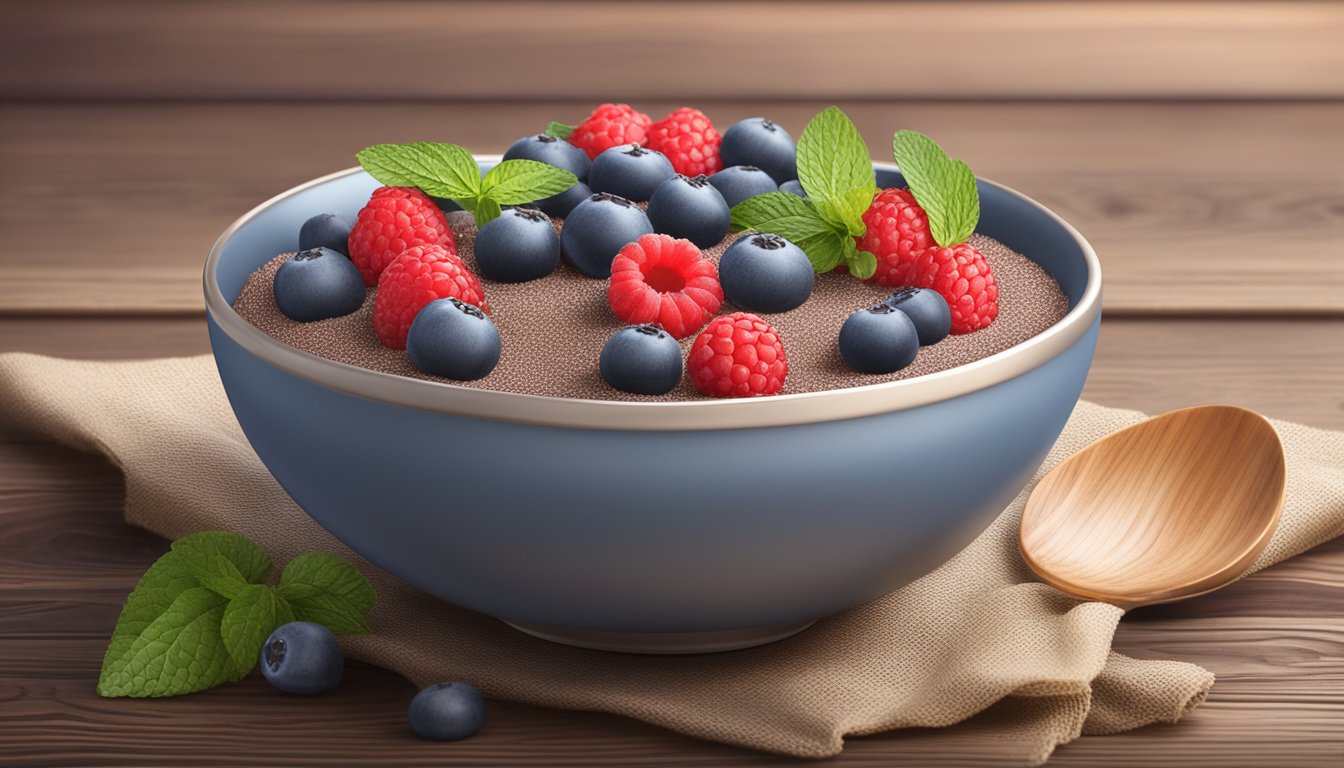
x=1173, y=507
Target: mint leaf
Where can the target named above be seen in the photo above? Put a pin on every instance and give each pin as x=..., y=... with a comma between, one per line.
x=861, y=264
x=485, y=210
x=167, y=578
x=224, y=562
x=515, y=182
x=325, y=589
x=560, y=130
x=248, y=620
x=439, y=170
x=943, y=187
x=180, y=651
x=786, y=215
x=846, y=211
x=833, y=162
x=825, y=250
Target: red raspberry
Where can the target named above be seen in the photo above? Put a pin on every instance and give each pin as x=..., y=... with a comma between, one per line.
x=394, y=219
x=898, y=232
x=660, y=279
x=610, y=125
x=689, y=140
x=738, y=355
x=416, y=277
x=963, y=277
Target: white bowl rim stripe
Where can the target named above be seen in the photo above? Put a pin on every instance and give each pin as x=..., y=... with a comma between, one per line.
x=708, y=414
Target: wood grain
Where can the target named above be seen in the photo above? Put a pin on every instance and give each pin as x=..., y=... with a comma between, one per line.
x=82, y=49
x=1274, y=639
x=1169, y=509
x=1193, y=208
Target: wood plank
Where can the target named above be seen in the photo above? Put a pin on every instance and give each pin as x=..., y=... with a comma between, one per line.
x=1280, y=367
x=80, y=49
x=66, y=562
x=1193, y=207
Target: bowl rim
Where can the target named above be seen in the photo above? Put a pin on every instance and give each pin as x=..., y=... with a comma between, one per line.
x=708, y=414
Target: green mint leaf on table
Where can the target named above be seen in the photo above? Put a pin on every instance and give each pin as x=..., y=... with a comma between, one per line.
x=200, y=614
x=180, y=651
x=250, y=617
x=560, y=130
x=325, y=589
x=943, y=187
x=835, y=168
x=223, y=562
x=439, y=170
x=447, y=170
x=516, y=182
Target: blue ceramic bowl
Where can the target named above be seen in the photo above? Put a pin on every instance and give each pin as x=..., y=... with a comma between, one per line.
x=658, y=527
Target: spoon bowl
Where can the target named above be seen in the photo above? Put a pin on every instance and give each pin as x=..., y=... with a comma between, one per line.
x=1170, y=508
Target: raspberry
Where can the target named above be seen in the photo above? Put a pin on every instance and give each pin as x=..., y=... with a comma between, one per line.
x=416, y=277
x=962, y=276
x=610, y=125
x=660, y=279
x=738, y=355
x=394, y=219
x=689, y=140
x=898, y=232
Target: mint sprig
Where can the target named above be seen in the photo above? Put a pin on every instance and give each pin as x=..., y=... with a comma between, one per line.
x=943, y=187
x=200, y=614
x=837, y=173
x=448, y=170
x=560, y=130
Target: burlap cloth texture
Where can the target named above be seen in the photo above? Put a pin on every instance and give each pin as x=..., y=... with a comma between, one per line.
x=978, y=640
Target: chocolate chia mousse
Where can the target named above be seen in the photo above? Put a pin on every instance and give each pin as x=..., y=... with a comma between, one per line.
x=553, y=329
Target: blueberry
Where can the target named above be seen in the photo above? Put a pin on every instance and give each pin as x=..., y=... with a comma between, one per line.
x=690, y=208
x=326, y=230
x=302, y=657
x=765, y=273
x=927, y=309
x=317, y=284
x=597, y=229
x=739, y=182
x=551, y=151
x=518, y=246
x=793, y=187
x=561, y=205
x=447, y=712
x=453, y=339
x=631, y=171
x=880, y=339
x=643, y=359
x=760, y=142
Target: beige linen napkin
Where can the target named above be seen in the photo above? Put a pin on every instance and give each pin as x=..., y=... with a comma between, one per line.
x=979, y=638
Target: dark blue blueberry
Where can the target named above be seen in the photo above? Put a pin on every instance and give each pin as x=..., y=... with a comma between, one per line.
x=453, y=339
x=597, y=230
x=765, y=273
x=793, y=187
x=760, y=142
x=561, y=205
x=551, y=151
x=326, y=230
x=927, y=309
x=447, y=712
x=632, y=172
x=302, y=657
x=643, y=359
x=690, y=208
x=317, y=284
x=519, y=245
x=739, y=182
x=880, y=339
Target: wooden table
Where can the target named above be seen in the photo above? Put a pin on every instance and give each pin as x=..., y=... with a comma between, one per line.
x=1196, y=144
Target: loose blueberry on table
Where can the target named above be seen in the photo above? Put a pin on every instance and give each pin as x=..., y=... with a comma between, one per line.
x=302, y=657
x=447, y=712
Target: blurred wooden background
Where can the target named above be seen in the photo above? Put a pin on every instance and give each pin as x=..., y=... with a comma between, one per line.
x=1199, y=145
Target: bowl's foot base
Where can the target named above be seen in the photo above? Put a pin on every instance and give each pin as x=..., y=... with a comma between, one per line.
x=664, y=642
